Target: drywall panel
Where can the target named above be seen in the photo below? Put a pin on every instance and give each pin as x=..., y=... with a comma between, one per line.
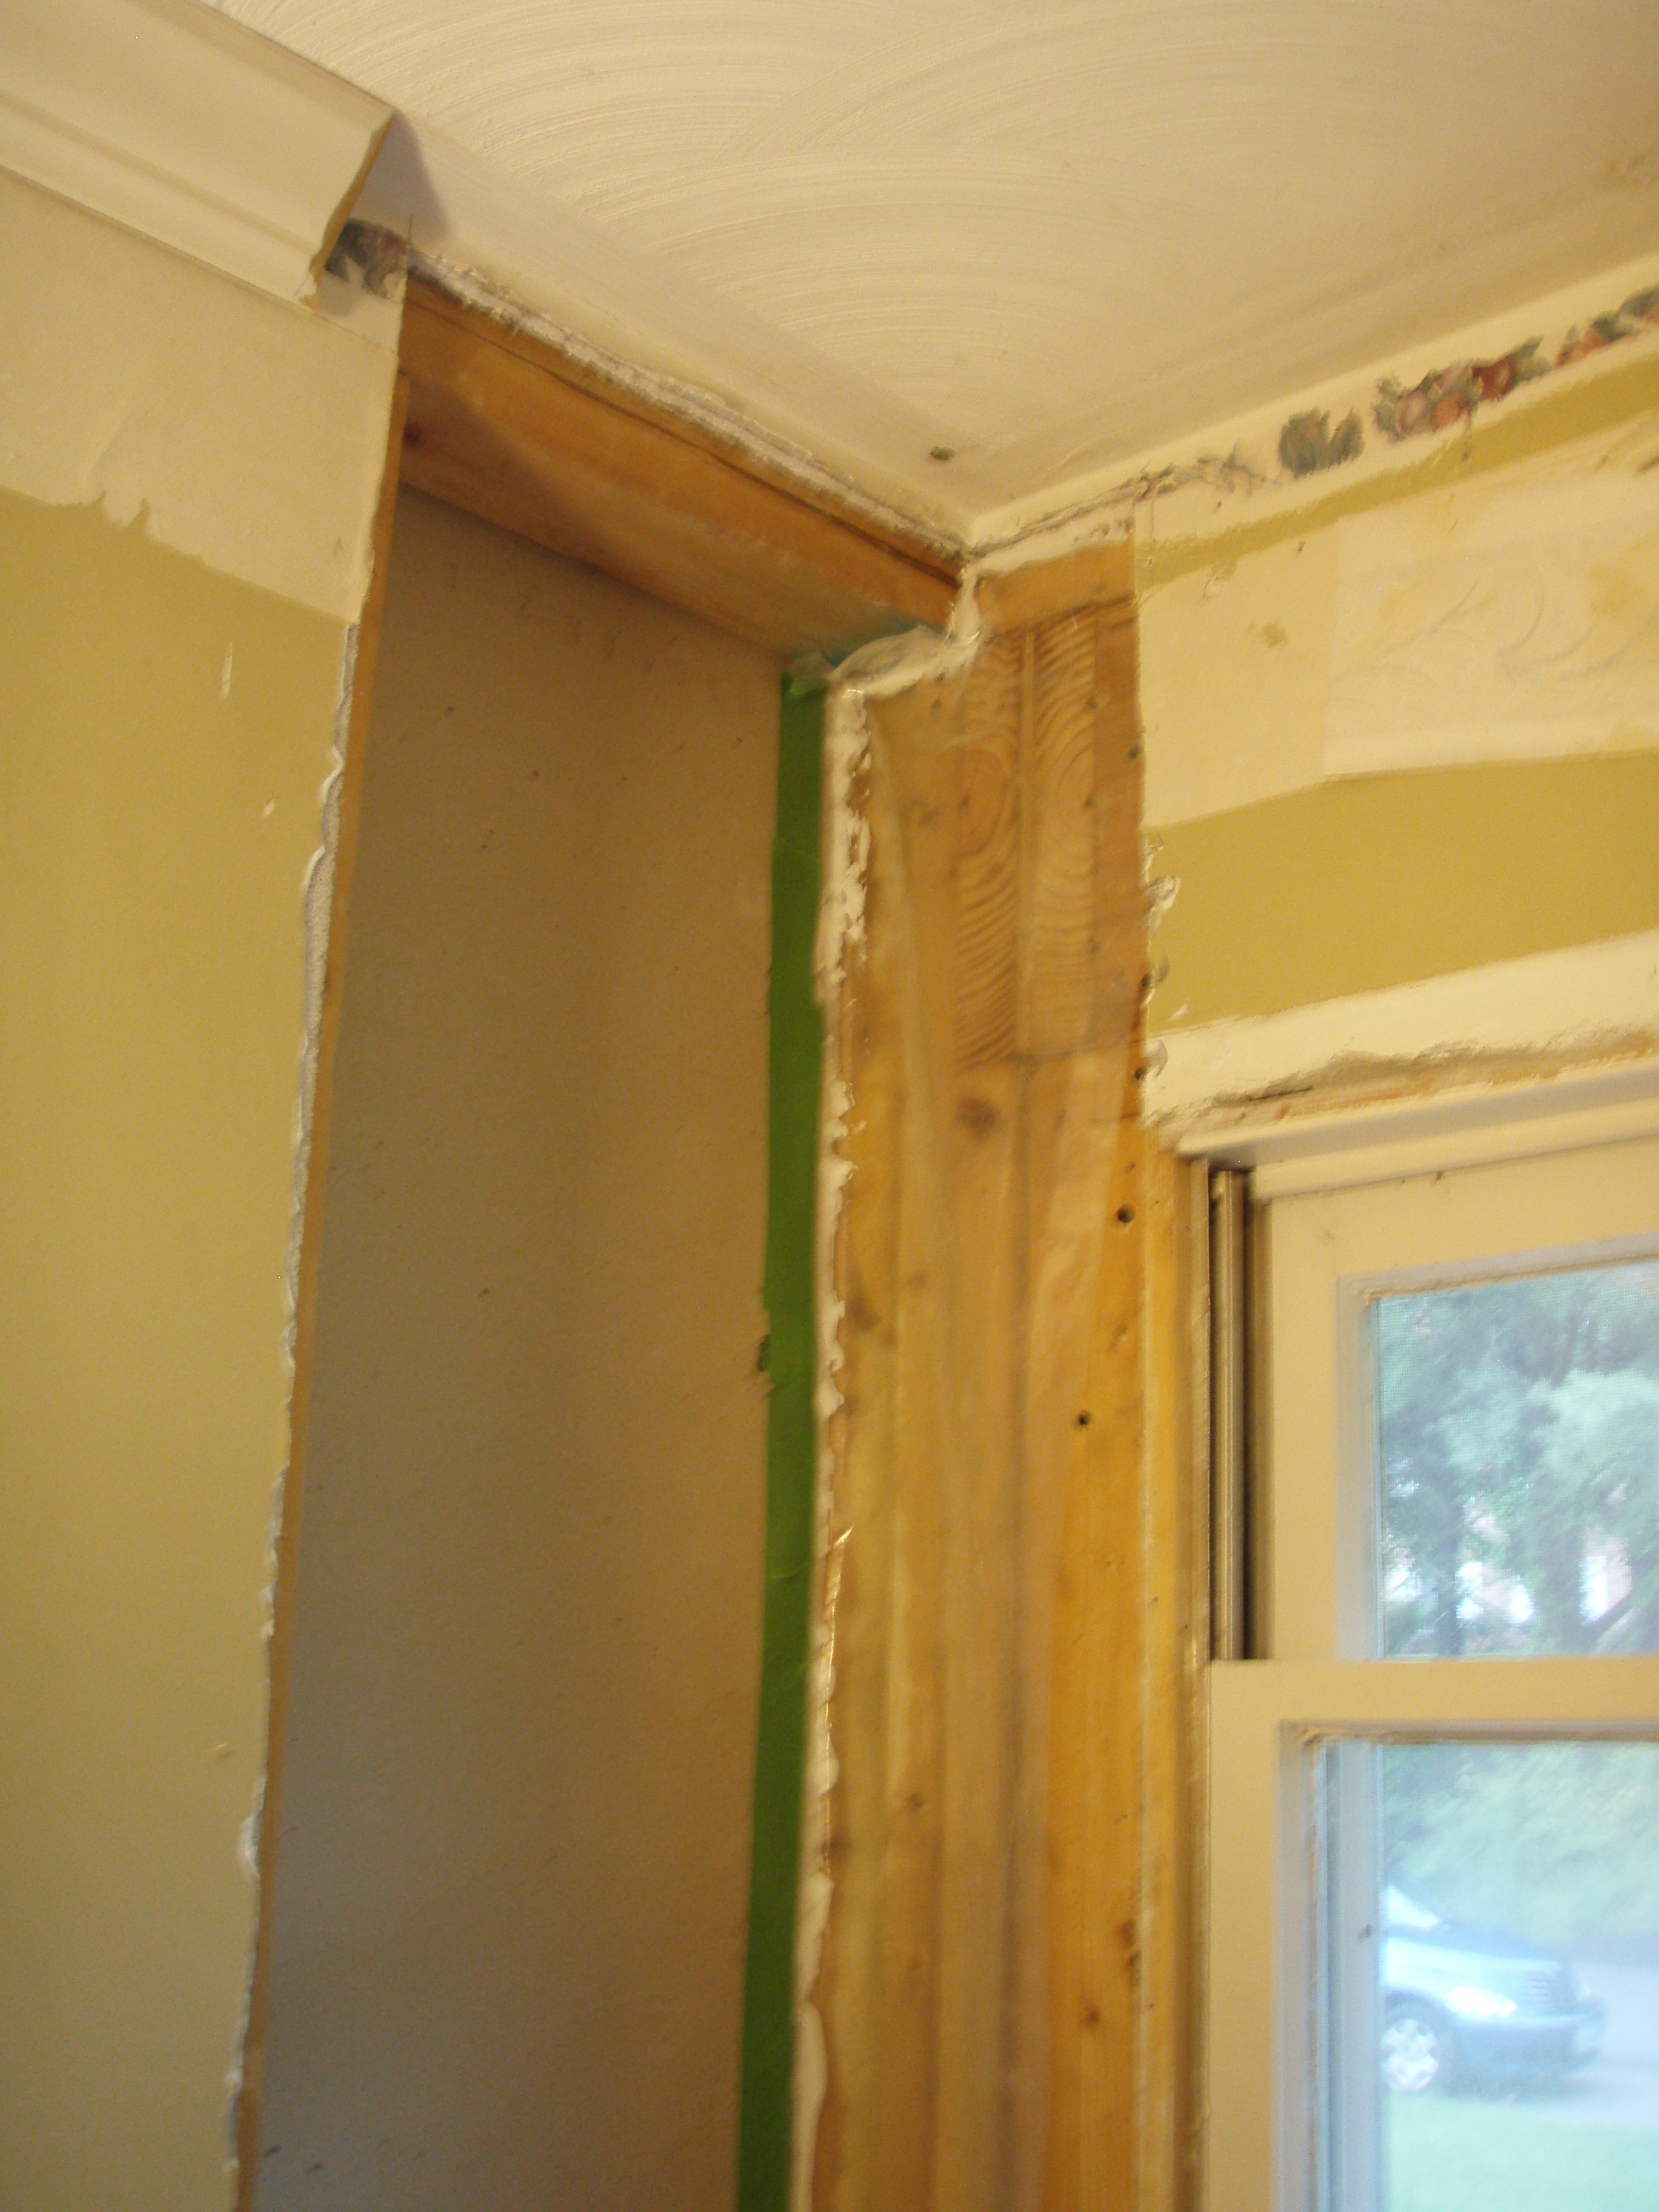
x=249, y=432
x=511, y=1887
x=166, y=732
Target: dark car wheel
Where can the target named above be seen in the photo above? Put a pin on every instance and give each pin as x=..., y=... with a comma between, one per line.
x=1418, y=2057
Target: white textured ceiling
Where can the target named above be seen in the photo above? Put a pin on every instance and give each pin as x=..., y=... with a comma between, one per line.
x=1046, y=237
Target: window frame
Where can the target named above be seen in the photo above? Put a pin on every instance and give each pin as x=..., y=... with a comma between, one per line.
x=1266, y=1707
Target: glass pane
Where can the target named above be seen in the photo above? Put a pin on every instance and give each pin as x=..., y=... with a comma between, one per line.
x=1517, y=1429
x=1514, y=2001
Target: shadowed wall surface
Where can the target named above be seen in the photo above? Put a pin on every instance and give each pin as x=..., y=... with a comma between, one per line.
x=512, y=1882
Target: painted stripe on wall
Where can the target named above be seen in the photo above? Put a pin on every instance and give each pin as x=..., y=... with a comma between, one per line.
x=1357, y=886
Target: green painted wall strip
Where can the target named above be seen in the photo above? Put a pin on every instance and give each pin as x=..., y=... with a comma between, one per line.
x=796, y=1075
x=1356, y=885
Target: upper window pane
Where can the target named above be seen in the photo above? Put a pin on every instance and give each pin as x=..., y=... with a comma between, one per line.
x=1517, y=1441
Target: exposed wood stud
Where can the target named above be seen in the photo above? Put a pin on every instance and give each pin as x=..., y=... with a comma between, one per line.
x=1014, y=599
x=1000, y=1837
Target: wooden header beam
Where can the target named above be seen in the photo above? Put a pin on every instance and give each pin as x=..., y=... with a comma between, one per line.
x=503, y=426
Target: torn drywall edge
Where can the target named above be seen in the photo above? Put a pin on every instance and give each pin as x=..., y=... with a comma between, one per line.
x=316, y=908
x=1576, y=1005
x=1201, y=485
x=700, y=411
x=317, y=897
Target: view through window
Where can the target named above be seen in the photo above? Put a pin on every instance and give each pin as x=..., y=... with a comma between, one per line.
x=1432, y=1964
x=1513, y=1887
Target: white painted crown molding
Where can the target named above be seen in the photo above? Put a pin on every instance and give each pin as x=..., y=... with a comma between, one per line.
x=182, y=124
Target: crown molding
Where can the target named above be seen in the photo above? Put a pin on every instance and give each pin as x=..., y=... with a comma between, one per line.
x=184, y=125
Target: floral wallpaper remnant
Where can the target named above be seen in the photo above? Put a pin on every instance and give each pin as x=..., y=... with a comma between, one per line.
x=1307, y=441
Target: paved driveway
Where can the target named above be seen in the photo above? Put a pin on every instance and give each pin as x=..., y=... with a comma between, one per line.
x=1622, y=2087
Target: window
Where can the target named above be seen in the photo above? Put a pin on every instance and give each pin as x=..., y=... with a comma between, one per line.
x=1433, y=1898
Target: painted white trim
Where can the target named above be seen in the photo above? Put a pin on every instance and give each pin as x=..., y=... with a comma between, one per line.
x=185, y=126
x=1263, y=1715
x=1466, y=1127
x=1581, y=1004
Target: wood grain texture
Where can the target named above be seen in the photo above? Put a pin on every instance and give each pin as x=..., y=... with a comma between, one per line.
x=1012, y=599
x=1002, y=1982
x=508, y=429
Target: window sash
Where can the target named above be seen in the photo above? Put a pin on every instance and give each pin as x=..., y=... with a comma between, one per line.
x=1331, y=1238
x=1264, y=1717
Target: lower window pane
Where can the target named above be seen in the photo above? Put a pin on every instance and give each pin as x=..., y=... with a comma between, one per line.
x=1492, y=1937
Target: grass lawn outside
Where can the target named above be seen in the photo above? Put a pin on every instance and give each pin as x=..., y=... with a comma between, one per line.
x=1458, y=2155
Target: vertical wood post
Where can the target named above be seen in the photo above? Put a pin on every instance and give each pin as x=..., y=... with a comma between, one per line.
x=997, y=1845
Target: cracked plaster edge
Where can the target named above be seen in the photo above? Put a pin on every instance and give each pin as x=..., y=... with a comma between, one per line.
x=1578, y=1007
x=317, y=903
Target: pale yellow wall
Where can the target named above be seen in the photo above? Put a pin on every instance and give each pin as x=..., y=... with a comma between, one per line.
x=512, y=1884
x=1403, y=731
x=173, y=662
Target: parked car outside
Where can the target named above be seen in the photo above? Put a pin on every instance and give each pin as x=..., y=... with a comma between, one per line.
x=1463, y=2005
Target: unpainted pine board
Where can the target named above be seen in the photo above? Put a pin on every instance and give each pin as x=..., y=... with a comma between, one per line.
x=982, y=1144
x=1093, y=576
x=1058, y=921
x=575, y=510
x=1082, y=1425
x=1082, y=1443
x=498, y=426
x=1121, y=924
x=986, y=740
x=953, y=756
x=908, y=828
x=1099, y=1703
x=999, y=1048
x=931, y=552
x=1110, y=1965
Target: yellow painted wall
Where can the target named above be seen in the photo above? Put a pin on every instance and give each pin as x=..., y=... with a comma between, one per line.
x=187, y=472
x=1367, y=882
x=1405, y=728
x=511, y=1892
